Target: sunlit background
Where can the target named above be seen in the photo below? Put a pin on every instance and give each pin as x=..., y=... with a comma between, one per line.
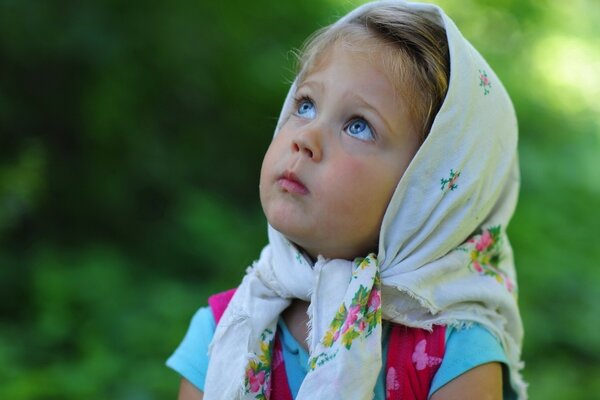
x=131, y=136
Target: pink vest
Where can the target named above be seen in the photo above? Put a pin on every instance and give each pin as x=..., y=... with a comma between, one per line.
x=414, y=356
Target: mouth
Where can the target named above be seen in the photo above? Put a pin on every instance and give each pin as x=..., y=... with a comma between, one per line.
x=289, y=182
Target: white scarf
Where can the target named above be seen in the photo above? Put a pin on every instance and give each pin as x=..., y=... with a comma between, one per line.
x=443, y=257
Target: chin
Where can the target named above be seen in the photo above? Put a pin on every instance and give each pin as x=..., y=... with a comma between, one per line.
x=287, y=220
x=289, y=232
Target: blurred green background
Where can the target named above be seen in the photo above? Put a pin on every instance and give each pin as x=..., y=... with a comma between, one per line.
x=131, y=137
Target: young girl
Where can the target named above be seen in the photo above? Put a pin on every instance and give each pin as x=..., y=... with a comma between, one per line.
x=388, y=187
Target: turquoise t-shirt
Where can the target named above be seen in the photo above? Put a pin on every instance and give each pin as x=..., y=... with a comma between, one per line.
x=465, y=349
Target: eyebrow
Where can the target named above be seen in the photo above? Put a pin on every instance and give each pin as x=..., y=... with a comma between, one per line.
x=367, y=105
x=320, y=86
x=312, y=84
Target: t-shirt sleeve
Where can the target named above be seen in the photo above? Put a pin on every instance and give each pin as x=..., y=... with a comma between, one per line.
x=466, y=349
x=190, y=359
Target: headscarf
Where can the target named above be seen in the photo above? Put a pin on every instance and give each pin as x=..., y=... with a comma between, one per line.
x=443, y=258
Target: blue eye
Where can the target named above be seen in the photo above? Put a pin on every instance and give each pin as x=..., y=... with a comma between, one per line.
x=360, y=129
x=306, y=109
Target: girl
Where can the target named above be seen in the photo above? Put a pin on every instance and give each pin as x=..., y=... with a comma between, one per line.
x=387, y=187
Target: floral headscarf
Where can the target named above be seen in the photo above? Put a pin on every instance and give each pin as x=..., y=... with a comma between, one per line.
x=443, y=258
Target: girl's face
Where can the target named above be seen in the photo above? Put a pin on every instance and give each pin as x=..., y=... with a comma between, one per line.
x=329, y=174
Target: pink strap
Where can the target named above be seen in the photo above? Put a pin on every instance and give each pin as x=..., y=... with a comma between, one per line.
x=218, y=303
x=414, y=356
x=280, y=388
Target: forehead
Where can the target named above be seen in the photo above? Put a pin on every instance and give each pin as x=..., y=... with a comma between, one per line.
x=386, y=57
x=351, y=67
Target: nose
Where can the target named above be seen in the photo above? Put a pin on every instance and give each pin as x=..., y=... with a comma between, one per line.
x=308, y=143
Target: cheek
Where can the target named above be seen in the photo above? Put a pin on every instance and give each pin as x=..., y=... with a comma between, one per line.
x=349, y=185
x=272, y=166
x=265, y=168
x=362, y=188
x=270, y=160
x=266, y=176
x=350, y=176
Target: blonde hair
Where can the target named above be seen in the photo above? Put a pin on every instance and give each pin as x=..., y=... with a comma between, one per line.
x=412, y=48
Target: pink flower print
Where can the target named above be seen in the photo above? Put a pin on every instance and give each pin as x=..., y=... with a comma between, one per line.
x=484, y=241
x=484, y=82
x=450, y=182
x=255, y=380
x=362, y=325
x=391, y=381
x=509, y=284
x=374, y=300
x=353, y=313
x=486, y=255
x=277, y=359
x=421, y=359
x=351, y=318
x=268, y=388
x=348, y=322
x=336, y=335
x=346, y=326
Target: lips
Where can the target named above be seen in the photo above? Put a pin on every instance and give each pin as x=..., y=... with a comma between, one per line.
x=290, y=183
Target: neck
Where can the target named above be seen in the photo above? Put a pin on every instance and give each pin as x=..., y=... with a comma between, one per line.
x=296, y=319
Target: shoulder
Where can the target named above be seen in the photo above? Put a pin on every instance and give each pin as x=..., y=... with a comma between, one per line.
x=202, y=323
x=471, y=346
x=481, y=382
x=190, y=359
x=467, y=349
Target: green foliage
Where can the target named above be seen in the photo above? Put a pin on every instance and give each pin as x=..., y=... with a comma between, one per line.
x=131, y=139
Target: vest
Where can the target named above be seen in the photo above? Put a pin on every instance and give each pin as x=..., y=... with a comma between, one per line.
x=414, y=356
